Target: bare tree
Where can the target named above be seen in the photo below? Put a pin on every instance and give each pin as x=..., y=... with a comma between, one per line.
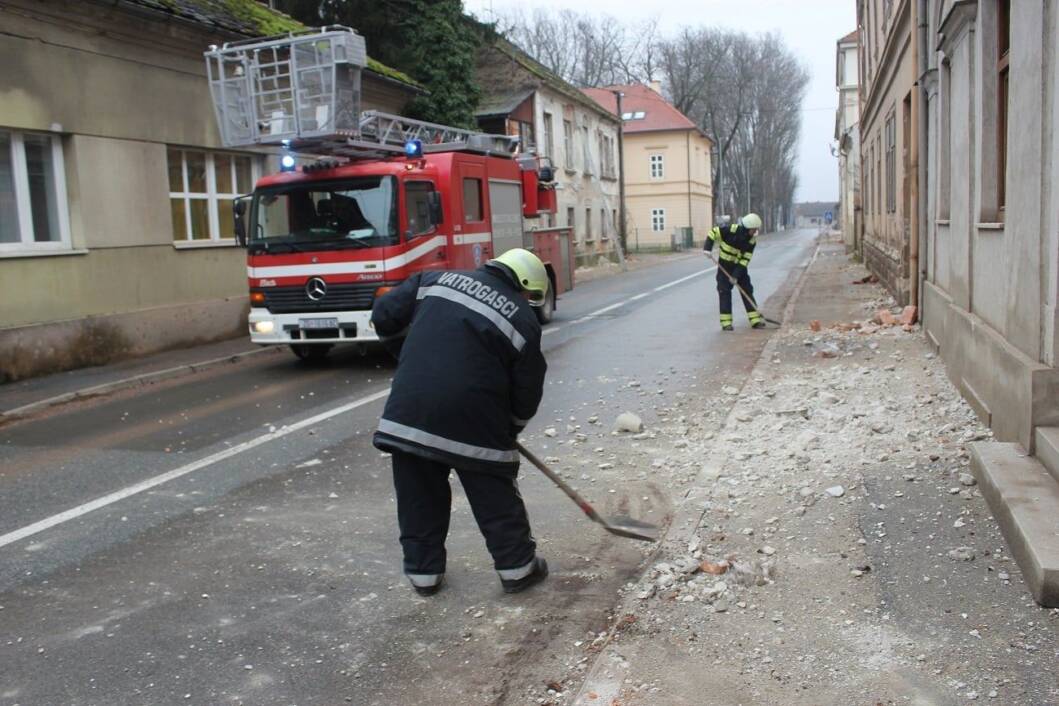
x=744, y=91
x=582, y=49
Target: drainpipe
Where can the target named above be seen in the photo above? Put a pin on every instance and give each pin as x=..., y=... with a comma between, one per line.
x=622, y=237
x=913, y=166
x=687, y=142
x=923, y=56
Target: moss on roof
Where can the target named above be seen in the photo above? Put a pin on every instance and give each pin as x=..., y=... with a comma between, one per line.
x=548, y=77
x=251, y=18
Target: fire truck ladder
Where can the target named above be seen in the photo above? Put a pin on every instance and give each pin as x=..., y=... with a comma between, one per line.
x=383, y=134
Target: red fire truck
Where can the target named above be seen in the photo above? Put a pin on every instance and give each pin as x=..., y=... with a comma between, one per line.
x=360, y=206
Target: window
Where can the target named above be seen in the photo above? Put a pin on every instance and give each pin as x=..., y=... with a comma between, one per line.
x=33, y=213
x=588, y=225
x=891, y=163
x=604, y=226
x=570, y=217
x=526, y=137
x=1003, y=53
x=568, y=144
x=658, y=220
x=472, y=200
x=549, y=137
x=587, y=149
x=657, y=167
x=417, y=207
x=333, y=215
x=202, y=188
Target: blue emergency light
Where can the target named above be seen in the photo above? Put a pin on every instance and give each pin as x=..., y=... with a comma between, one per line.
x=413, y=149
x=286, y=163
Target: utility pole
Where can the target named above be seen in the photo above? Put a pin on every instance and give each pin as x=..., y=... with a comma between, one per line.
x=621, y=175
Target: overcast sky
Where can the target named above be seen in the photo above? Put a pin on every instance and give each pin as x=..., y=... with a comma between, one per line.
x=810, y=28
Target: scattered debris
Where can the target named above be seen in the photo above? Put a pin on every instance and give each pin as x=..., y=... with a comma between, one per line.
x=628, y=422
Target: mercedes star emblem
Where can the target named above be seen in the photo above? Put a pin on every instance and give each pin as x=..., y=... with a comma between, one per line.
x=315, y=289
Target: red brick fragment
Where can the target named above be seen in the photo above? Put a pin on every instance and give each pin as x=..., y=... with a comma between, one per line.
x=883, y=317
x=814, y=325
x=909, y=315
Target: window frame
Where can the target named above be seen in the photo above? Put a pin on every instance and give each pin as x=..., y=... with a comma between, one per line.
x=658, y=220
x=549, y=136
x=408, y=234
x=463, y=200
x=1003, y=93
x=211, y=196
x=27, y=243
x=588, y=225
x=568, y=144
x=657, y=159
x=890, y=136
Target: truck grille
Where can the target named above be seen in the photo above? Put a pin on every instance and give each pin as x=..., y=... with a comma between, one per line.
x=339, y=297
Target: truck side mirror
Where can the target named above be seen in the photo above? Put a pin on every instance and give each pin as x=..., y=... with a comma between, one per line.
x=238, y=213
x=437, y=215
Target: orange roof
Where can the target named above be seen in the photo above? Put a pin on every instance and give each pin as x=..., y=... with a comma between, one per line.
x=852, y=37
x=644, y=110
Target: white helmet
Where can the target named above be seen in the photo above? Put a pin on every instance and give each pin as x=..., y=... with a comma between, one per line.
x=751, y=221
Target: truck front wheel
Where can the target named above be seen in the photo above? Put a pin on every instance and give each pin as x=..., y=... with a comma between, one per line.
x=310, y=353
x=546, y=311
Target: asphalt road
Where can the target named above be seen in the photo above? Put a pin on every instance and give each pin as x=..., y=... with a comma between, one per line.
x=230, y=536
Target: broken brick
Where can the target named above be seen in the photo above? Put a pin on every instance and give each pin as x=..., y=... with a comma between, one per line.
x=716, y=569
x=884, y=317
x=814, y=325
x=909, y=315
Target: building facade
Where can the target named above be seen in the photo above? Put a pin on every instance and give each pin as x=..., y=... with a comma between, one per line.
x=116, y=233
x=555, y=120
x=847, y=142
x=889, y=114
x=668, y=190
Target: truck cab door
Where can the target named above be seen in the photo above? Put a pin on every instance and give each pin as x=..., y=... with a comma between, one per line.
x=423, y=222
x=471, y=239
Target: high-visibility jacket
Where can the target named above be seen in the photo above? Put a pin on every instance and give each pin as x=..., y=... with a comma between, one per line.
x=470, y=371
x=736, y=245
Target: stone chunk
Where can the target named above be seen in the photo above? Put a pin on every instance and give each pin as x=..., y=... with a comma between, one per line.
x=629, y=422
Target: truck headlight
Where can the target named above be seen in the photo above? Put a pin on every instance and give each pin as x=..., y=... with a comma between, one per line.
x=264, y=327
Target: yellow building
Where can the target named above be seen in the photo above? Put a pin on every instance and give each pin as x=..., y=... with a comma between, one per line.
x=667, y=169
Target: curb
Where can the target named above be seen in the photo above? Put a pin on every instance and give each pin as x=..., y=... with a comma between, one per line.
x=106, y=388
x=686, y=513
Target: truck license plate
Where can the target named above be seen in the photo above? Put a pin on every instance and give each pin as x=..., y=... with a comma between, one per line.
x=317, y=323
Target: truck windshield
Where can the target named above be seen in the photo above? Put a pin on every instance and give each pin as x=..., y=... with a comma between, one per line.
x=352, y=213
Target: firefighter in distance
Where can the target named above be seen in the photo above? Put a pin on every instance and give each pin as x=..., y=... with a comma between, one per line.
x=470, y=376
x=735, y=243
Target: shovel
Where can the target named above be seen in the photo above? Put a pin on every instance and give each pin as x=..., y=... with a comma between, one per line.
x=742, y=291
x=623, y=527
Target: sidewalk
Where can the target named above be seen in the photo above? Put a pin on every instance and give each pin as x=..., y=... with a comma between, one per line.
x=34, y=394
x=834, y=548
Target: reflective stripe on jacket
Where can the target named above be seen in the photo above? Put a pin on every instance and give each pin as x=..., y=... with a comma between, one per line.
x=470, y=371
x=736, y=245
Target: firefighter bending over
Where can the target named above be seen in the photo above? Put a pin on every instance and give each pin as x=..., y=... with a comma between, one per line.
x=470, y=375
x=736, y=244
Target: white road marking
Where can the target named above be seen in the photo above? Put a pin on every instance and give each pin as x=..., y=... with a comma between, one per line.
x=137, y=488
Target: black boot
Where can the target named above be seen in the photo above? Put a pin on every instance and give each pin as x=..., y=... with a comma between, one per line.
x=758, y=324
x=727, y=327
x=429, y=590
x=539, y=573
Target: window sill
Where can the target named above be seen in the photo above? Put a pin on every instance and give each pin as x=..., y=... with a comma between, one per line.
x=942, y=222
x=199, y=244
x=16, y=254
x=989, y=226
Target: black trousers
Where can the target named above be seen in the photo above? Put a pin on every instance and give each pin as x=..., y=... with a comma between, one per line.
x=424, y=499
x=724, y=290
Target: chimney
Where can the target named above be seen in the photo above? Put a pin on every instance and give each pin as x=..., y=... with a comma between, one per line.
x=656, y=86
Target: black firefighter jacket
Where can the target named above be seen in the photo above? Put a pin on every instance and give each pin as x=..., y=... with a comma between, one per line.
x=470, y=372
